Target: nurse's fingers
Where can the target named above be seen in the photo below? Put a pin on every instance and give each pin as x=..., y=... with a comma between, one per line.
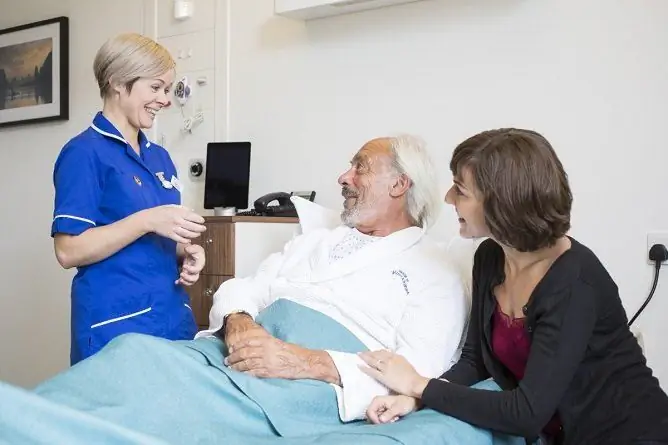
x=179, y=239
x=193, y=217
x=185, y=233
x=195, y=250
x=191, y=226
x=190, y=270
x=187, y=279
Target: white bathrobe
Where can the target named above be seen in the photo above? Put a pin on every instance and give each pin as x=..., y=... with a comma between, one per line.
x=397, y=292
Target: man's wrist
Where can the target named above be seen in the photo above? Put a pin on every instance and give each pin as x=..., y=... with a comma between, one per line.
x=318, y=365
x=233, y=317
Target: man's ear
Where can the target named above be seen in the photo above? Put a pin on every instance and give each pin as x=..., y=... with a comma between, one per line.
x=401, y=186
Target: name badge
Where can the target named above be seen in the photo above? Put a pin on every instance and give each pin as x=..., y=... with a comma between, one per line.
x=165, y=183
x=177, y=183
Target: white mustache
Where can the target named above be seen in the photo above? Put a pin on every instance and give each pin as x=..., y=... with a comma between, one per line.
x=347, y=193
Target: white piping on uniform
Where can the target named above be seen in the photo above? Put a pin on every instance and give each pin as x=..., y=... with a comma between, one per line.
x=78, y=218
x=111, y=135
x=114, y=320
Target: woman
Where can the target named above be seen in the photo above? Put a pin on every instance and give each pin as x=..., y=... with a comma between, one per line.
x=547, y=323
x=117, y=216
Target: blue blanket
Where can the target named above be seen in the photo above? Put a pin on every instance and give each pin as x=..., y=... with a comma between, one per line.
x=146, y=390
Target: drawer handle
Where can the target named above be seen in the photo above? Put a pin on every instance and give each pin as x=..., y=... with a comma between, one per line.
x=208, y=292
x=209, y=241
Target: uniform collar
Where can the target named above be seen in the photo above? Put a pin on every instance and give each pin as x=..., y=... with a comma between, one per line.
x=103, y=126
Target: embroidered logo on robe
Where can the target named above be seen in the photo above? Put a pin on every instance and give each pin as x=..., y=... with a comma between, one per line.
x=403, y=277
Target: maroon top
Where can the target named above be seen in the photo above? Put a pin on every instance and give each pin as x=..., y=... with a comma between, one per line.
x=511, y=345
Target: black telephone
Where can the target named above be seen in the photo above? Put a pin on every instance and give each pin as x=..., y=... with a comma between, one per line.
x=284, y=206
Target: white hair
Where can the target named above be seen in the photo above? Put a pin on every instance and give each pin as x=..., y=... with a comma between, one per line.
x=424, y=198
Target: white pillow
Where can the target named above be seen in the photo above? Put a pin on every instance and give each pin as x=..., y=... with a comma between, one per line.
x=460, y=252
x=313, y=216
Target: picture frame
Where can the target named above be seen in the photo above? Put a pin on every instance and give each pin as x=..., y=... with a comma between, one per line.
x=34, y=72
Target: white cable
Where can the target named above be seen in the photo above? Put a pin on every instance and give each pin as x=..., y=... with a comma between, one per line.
x=193, y=121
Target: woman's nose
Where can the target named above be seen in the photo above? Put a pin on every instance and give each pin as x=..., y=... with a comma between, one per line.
x=449, y=198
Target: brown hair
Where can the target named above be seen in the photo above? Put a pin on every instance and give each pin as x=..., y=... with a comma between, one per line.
x=524, y=188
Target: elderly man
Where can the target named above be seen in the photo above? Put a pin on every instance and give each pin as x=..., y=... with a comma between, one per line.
x=376, y=275
x=281, y=355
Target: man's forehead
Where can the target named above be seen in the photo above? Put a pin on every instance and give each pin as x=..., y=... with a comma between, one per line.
x=372, y=150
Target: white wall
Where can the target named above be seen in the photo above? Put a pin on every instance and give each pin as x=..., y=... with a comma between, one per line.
x=590, y=75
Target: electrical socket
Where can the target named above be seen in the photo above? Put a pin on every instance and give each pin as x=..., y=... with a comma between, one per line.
x=656, y=238
x=196, y=169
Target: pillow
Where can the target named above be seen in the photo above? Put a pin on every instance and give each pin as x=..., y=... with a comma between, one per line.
x=313, y=216
x=460, y=252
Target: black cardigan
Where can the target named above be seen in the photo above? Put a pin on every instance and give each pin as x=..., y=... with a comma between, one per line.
x=584, y=362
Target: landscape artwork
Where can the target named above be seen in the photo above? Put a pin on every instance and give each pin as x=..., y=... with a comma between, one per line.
x=34, y=74
x=26, y=73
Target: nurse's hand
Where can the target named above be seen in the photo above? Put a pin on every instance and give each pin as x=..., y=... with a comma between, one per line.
x=384, y=409
x=193, y=263
x=175, y=222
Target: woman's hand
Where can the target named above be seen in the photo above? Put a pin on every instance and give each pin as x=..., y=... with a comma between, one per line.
x=394, y=371
x=193, y=263
x=384, y=409
x=175, y=222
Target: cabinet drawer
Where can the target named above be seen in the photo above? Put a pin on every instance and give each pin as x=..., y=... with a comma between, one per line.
x=218, y=243
x=201, y=296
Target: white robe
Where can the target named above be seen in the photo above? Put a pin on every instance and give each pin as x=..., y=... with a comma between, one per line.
x=398, y=293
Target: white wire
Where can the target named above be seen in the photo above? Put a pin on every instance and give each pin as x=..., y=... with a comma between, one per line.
x=193, y=121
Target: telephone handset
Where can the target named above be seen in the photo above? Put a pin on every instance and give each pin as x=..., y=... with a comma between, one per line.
x=283, y=206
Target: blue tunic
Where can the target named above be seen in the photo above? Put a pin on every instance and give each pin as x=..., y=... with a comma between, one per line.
x=99, y=179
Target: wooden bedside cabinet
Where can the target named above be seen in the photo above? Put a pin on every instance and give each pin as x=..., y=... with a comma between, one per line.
x=234, y=247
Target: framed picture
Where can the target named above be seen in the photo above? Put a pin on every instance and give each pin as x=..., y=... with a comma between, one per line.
x=34, y=72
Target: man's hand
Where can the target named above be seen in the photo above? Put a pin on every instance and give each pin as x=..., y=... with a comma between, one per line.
x=240, y=327
x=268, y=357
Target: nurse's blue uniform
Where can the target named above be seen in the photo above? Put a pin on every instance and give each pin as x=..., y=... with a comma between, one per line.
x=99, y=179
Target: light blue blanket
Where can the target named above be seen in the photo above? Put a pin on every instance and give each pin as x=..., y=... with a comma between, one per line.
x=146, y=390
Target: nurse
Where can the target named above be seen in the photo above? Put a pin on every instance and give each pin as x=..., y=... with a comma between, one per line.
x=117, y=215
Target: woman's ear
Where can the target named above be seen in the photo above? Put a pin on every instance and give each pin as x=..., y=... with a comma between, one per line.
x=401, y=186
x=115, y=87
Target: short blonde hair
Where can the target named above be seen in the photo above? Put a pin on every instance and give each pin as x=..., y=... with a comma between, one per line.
x=124, y=59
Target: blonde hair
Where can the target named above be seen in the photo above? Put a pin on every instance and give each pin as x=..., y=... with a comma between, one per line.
x=123, y=59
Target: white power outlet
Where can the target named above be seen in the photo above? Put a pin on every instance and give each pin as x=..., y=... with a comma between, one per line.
x=641, y=341
x=656, y=238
